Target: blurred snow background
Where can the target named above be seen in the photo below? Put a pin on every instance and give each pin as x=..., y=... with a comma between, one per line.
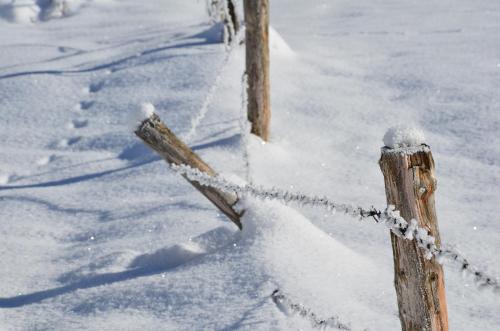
x=97, y=233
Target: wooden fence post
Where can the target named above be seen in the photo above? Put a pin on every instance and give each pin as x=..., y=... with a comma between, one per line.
x=156, y=135
x=257, y=65
x=409, y=185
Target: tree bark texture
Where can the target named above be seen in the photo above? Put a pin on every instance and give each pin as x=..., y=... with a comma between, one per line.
x=257, y=65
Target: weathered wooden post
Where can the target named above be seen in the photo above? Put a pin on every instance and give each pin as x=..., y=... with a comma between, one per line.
x=410, y=183
x=257, y=65
x=156, y=135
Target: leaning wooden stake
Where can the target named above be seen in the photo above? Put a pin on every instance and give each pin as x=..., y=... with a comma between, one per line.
x=409, y=185
x=157, y=136
x=257, y=65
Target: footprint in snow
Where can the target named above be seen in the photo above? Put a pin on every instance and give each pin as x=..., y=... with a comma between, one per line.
x=45, y=160
x=68, y=142
x=84, y=105
x=96, y=87
x=176, y=255
x=78, y=124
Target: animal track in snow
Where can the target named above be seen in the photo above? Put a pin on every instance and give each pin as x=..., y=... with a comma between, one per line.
x=78, y=124
x=68, y=142
x=96, y=87
x=84, y=105
x=45, y=160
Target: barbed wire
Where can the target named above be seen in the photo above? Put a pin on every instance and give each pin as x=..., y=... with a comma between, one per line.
x=244, y=126
x=284, y=303
x=390, y=217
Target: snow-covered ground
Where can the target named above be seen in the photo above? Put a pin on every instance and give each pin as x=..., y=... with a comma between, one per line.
x=98, y=234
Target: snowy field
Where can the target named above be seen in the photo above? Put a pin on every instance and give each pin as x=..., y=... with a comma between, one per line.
x=98, y=234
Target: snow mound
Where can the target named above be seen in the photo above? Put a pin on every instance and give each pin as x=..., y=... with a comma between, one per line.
x=279, y=239
x=51, y=9
x=135, y=118
x=31, y=11
x=278, y=45
x=401, y=136
x=23, y=12
x=173, y=256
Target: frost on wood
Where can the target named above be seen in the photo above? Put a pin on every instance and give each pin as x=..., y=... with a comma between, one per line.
x=400, y=137
x=136, y=117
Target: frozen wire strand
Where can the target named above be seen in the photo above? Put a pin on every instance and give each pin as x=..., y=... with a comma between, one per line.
x=196, y=120
x=282, y=300
x=245, y=128
x=390, y=217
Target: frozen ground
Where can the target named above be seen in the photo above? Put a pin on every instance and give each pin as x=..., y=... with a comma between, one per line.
x=97, y=233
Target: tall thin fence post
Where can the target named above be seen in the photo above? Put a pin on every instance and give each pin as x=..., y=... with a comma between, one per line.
x=257, y=65
x=410, y=184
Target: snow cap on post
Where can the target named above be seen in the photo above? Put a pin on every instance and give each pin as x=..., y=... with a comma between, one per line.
x=404, y=139
x=137, y=117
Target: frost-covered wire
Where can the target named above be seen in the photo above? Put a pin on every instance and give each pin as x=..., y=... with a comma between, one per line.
x=244, y=125
x=284, y=303
x=390, y=217
x=443, y=254
x=480, y=277
x=196, y=120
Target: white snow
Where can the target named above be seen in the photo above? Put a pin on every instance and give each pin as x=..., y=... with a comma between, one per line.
x=4, y=179
x=136, y=117
x=403, y=136
x=33, y=11
x=278, y=46
x=104, y=236
x=45, y=160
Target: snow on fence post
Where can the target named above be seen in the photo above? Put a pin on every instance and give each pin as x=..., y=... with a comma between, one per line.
x=149, y=127
x=257, y=65
x=410, y=183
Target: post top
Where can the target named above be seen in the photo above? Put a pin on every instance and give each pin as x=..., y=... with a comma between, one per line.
x=136, y=117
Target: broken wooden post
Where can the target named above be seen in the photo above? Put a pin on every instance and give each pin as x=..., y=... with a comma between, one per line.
x=410, y=183
x=257, y=65
x=157, y=136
